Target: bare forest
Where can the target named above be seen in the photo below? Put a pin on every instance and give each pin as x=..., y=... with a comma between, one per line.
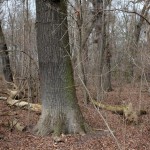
x=75, y=74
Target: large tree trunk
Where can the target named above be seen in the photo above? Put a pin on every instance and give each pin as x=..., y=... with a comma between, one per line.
x=5, y=57
x=60, y=111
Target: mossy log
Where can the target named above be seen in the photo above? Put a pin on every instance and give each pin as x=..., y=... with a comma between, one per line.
x=129, y=113
x=115, y=109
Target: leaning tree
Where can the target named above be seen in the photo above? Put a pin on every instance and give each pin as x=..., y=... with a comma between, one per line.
x=60, y=110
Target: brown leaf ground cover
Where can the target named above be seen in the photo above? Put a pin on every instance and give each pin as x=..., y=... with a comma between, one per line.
x=128, y=136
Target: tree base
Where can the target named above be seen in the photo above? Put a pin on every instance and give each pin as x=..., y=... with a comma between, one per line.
x=57, y=124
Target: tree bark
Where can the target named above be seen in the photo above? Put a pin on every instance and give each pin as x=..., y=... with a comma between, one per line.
x=101, y=43
x=5, y=57
x=60, y=111
x=103, y=81
x=107, y=79
x=79, y=40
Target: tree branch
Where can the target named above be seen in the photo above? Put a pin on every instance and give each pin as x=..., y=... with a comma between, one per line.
x=133, y=12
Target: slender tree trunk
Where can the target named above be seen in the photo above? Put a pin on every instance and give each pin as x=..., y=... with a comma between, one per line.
x=101, y=41
x=80, y=61
x=60, y=111
x=107, y=81
x=5, y=57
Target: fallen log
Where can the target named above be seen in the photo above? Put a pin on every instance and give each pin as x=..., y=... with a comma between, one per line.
x=129, y=113
x=26, y=105
x=13, y=102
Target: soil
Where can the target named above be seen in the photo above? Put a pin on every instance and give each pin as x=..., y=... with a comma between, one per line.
x=126, y=136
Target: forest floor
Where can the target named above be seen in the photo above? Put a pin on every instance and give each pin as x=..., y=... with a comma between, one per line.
x=127, y=136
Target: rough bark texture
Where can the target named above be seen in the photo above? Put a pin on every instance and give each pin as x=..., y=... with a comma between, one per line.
x=5, y=58
x=60, y=111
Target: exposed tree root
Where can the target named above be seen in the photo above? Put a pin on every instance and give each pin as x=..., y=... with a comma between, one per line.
x=129, y=113
x=57, y=124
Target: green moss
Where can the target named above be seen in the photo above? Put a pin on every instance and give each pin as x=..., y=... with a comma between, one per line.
x=69, y=88
x=109, y=107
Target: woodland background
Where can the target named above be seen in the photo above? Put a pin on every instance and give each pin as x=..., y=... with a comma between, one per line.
x=110, y=53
